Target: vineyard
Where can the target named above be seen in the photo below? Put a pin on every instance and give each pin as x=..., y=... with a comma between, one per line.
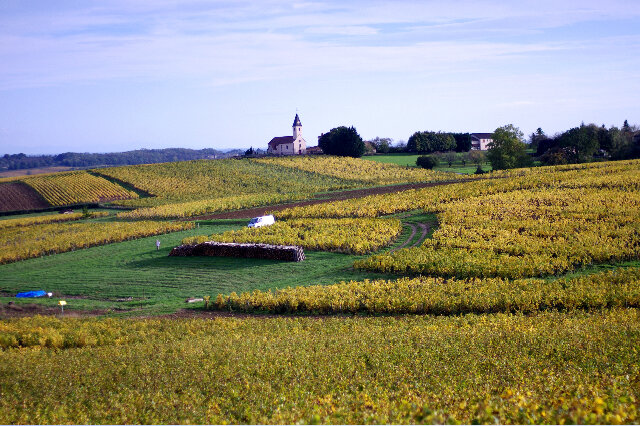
x=552, y=367
x=437, y=296
x=202, y=207
x=367, y=172
x=356, y=236
x=66, y=188
x=512, y=297
x=20, y=243
x=53, y=218
x=207, y=180
x=16, y=196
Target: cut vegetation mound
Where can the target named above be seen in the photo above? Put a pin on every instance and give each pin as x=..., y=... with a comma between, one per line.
x=255, y=251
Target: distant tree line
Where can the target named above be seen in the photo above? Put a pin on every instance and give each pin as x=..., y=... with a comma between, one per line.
x=140, y=156
x=509, y=149
x=587, y=143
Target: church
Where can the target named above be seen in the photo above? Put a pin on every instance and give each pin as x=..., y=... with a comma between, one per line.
x=289, y=145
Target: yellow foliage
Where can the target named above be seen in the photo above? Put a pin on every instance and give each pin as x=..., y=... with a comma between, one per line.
x=19, y=243
x=357, y=236
x=65, y=188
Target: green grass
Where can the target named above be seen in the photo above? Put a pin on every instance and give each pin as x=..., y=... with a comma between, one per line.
x=409, y=160
x=157, y=283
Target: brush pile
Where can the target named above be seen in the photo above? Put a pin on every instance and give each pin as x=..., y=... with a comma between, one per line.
x=248, y=250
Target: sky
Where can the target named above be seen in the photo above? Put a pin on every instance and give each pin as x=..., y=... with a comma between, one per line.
x=109, y=76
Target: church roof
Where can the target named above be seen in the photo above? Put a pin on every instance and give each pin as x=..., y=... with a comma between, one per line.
x=279, y=140
x=296, y=121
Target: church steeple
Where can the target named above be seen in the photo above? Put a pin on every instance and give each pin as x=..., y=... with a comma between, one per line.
x=297, y=128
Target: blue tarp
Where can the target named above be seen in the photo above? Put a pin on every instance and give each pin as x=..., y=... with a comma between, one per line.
x=35, y=293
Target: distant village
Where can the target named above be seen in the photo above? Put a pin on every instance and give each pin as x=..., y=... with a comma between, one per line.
x=297, y=145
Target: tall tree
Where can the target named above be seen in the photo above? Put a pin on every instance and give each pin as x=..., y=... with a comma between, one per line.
x=342, y=141
x=507, y=151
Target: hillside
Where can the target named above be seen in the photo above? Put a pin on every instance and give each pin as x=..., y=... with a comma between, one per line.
x=513, y=298
x=234, y=183
x=14, y=162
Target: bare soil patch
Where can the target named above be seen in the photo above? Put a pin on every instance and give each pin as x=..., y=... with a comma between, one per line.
x=17, y=196
x=324, y=198
x=11, y=310
x=36, y=171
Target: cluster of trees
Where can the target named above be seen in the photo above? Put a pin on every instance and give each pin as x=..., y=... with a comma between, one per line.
x=428, y=142
x=587, y=143
x=472, y=157
x=140, y=156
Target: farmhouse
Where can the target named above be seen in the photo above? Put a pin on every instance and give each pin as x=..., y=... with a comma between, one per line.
x=289, y=145
x=480, y=141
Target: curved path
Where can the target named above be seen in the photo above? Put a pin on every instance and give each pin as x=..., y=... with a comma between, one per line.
x=425, y=227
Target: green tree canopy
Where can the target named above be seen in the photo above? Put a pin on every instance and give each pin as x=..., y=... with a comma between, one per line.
x=507, y=151
x=431, y=142
x=342, y=141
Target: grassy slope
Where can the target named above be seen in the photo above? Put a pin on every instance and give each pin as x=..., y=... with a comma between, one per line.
x=158, y=283
x=409, y=160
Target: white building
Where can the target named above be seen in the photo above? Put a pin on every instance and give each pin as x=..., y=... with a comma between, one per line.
x=289, y=145
x=480, y=141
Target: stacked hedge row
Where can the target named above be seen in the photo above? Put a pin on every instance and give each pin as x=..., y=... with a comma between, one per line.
x=256, y=251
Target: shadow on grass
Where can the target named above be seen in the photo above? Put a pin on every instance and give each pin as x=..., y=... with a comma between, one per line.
x=204, y=262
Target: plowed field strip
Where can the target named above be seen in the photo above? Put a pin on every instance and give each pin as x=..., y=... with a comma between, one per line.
x=16, y=196
x=326, y=198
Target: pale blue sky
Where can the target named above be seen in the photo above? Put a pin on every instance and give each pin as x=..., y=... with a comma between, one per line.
x=104, y=76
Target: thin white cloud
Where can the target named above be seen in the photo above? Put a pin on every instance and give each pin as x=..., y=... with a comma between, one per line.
x=225, y=43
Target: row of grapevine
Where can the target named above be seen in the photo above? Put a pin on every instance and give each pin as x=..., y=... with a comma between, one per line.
x=523, y=234
x=608, y=175
x=356, y=236
x=546, y=368
x=202, y=207
x=19, y=243
x=207, y=179
x=52, y=218
x=437, y=296
x=370, y=172
x=66, y=188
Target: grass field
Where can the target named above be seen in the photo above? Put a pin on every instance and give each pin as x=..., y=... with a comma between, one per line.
x=409, y=160
x=96, y=278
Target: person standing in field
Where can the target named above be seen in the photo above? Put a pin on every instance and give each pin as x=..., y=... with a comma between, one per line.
x=157, y=244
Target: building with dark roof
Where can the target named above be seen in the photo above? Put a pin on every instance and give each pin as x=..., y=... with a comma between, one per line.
x=289, y=145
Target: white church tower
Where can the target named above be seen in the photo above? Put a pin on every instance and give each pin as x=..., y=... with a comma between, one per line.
x=297, y=128
x=289, y=145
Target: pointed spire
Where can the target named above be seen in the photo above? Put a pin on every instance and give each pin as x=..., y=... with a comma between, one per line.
x=296, y=121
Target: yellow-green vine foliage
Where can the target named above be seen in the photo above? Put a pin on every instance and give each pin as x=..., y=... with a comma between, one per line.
x=578, y=367
x=65, y=188
x=355, y=236
x=439, y=296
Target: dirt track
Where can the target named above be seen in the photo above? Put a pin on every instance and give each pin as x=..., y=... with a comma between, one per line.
x=326, y=198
